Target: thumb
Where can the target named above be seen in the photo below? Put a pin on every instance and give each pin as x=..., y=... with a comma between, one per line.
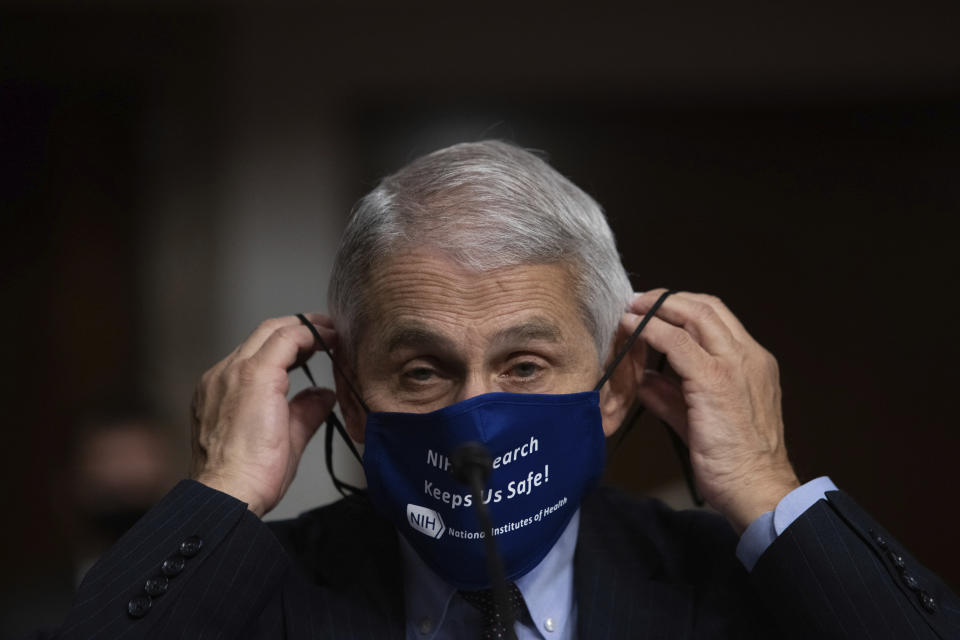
x=664, y=398
x=308, y=410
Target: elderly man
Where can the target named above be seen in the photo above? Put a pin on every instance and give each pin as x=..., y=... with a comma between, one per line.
x=478, y=297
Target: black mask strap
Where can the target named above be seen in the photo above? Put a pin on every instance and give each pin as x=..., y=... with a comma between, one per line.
x=633, y=338
x=683, y=453
x=333, y=422
x=336, y=365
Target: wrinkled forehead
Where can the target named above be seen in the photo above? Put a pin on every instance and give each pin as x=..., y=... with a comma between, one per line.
x=424, y=297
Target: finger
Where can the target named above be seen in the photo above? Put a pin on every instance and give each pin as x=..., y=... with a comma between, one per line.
x=329, y=338
x=320, y=320
x=308, y=410
x=684, y=353
x=733, y=323
x=664, y=398
x=262, y=333
x=698, y=318
x=285, y=346
x=325, y=329
x=736, y=327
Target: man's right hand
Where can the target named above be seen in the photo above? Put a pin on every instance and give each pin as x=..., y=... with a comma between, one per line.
x=247, y=438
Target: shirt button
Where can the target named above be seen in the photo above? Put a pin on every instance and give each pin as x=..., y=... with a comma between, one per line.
x=548, y=624
x=425, y=626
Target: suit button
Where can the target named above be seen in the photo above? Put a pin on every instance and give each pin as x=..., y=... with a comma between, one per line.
x=880, y=541
x=156, y=586
x=139, y=606
x=928, y=601
x=896, y=559
x=191, y=546
x=425, y=626
x=910, y=581
x=173, y=565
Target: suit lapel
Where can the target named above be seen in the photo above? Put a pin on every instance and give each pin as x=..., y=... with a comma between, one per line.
x=618, y=595
x=357, y=572
x=620, y=591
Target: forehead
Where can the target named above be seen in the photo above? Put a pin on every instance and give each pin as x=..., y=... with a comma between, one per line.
x=427, y=292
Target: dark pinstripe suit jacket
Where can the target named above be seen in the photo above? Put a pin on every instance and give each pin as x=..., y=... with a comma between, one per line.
x=641, y=571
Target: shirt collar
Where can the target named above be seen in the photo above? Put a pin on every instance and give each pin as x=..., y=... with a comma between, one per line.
x=547, y=589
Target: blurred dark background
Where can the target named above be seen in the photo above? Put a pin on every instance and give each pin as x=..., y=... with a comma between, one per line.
x=173, y=173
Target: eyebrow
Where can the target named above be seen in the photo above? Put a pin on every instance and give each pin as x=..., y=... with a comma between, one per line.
x=534, y=329
x=414, y=335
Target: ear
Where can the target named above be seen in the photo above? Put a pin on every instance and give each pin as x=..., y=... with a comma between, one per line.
x=353, y=414
x=620, y=390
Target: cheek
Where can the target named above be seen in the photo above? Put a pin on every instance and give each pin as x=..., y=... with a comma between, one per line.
x=379, y=398
x=575, y=382
x=586, y=367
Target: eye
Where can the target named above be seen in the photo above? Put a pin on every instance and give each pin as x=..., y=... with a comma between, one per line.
x=525, y=369
x=421, y=383
x=420, y=374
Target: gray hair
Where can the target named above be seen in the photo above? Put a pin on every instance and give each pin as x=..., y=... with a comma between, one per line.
x=486, y=205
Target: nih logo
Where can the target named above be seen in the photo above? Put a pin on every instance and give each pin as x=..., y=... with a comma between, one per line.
x=426, y=521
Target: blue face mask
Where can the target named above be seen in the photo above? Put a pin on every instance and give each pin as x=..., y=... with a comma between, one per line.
x=547, y=452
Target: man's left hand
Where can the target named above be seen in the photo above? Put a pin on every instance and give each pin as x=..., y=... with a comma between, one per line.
x=726, y=406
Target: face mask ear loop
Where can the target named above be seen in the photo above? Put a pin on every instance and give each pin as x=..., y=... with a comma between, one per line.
x=336, y=365
x=683, y=453
x=333, y=422
x=633, y=338
x=636, y=412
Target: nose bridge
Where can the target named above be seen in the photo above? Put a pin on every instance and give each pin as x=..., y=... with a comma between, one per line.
x=475, y=383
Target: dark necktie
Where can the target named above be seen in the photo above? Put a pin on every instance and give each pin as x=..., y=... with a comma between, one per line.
x=484, y=602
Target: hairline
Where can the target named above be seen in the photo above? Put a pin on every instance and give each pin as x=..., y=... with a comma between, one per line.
x=516, y=209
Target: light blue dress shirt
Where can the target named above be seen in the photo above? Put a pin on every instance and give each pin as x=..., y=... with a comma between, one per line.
x=434, y=611
x=764, y=530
